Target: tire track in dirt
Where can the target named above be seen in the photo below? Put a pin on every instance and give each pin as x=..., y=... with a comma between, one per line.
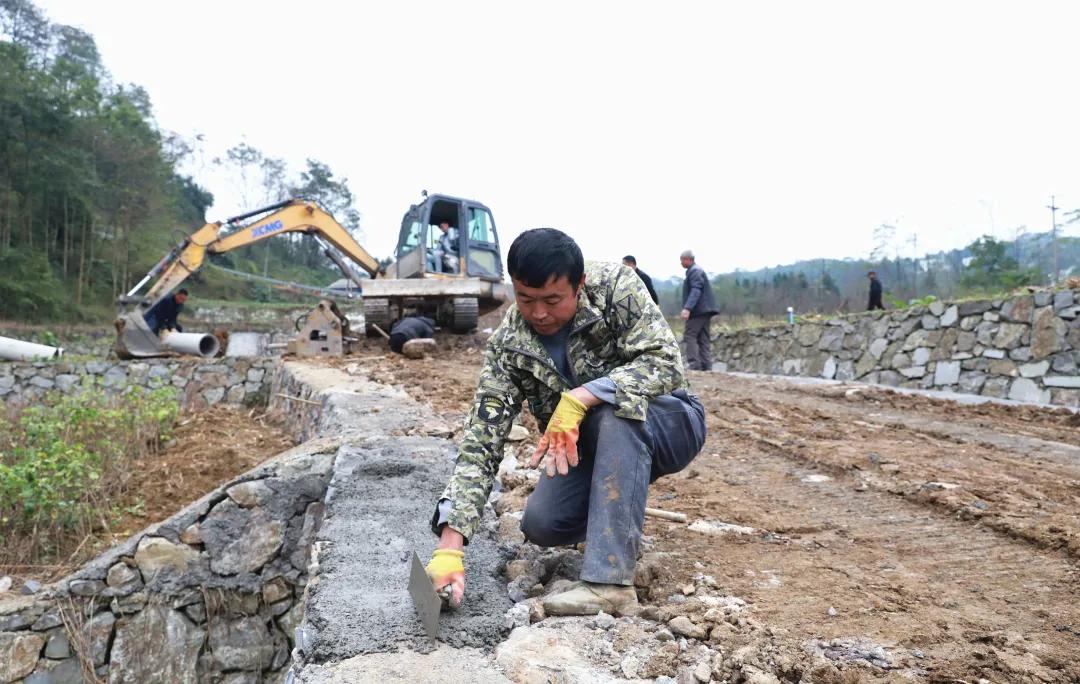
x=993, y=479
x=902, y=576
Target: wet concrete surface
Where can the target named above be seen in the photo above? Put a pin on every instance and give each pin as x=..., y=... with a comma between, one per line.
x=378, y=511
x=444, y=664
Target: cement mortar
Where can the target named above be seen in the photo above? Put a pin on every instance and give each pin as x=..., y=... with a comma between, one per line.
x=444, y=664
x=379, y=506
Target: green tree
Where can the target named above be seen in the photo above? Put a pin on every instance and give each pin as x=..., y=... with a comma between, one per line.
x=991, y=268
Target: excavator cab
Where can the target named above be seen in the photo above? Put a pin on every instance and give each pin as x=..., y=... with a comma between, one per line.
x=472, y=235
x=453, y=278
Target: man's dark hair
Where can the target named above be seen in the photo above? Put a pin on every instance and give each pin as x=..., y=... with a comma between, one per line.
x=182, y=291
x=544, y=254
x=630, y=258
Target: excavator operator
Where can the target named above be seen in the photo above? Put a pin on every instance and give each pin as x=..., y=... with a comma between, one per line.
x=445, y=255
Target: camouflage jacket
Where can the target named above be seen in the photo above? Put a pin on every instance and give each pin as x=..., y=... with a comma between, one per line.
x=618, y=332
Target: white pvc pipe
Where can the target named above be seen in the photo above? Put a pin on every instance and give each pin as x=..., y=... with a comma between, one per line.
x=196, y=344
x=17, y=350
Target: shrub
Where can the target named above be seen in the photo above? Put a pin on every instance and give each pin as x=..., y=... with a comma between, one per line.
x=62, y=462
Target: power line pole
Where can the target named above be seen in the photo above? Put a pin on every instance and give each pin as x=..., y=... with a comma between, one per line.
x=914, y=242
x=1054, y=238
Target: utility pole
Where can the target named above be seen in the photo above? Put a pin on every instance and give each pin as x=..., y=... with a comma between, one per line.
x=1019, y=233
x=914, y=240
x=1053, y=237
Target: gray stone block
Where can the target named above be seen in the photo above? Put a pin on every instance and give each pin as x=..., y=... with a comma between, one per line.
x=242, y=644
x=1020, y=354
x=949, y=317
x=1018, y=310
x=1048, y=333
x=1065, y=397
x=1063, y=300
x=1068, y=381
x=1034, y=370
x=995, y=387
x=1063, y=363
x=877, y=347
x=1023, y=389
x=971, y=382
x=970, y=322
x=829, y=370
x=947, y=373
x=139, y=655
x=1009, y=335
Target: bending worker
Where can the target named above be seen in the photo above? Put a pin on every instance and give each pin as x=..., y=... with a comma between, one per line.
x=410, y=328
x=601, y=371
x=162, y=316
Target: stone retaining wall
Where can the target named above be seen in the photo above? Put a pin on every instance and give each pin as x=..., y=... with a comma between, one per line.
x=259, y=318
x=213, y=594
x=1025, y=348
x=201, y=383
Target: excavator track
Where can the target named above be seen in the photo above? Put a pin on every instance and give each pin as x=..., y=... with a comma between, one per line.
x=376, y=312
x=466, y=312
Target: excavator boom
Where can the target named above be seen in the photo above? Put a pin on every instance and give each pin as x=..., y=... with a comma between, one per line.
x=292, y=216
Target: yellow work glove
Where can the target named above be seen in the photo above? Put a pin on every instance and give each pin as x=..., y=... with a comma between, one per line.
x=559, y=442
x=446, y=569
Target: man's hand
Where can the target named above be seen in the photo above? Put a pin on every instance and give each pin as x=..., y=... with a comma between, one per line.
x=685, y=314
x=560, y=440
x=447, y=572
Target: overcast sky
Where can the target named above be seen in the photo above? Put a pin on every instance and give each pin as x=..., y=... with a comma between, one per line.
x=754, y=133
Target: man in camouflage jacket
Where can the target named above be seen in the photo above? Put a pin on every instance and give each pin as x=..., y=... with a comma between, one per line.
x=601, y=372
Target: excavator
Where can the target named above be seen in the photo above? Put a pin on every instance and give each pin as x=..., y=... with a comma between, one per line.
x=453, y=291
x=454, y=296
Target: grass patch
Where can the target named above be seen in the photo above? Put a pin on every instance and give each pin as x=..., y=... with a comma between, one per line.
x=64, y=462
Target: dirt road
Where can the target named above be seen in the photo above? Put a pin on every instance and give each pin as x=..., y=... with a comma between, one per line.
x=875, y=536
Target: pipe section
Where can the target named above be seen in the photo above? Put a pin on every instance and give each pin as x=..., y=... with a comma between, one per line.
x=195, y=344
x=17, y=350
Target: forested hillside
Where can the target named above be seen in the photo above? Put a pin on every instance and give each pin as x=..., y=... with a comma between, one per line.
x=91, y=189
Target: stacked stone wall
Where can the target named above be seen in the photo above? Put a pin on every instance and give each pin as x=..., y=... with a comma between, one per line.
x=1025, y=348
x=200, y=383
x=263, y=319
x=213, y=594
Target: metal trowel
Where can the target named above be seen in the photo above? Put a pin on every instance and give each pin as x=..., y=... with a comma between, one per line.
x=427, y=601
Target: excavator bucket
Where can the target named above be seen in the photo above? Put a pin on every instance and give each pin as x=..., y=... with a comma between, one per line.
x=135, y=339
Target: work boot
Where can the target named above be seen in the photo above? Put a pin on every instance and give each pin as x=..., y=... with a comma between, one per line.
x=589, y=598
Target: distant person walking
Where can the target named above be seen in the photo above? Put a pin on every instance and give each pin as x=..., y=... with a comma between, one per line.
x=699, y=306
x=631, y=262
x=875, y=292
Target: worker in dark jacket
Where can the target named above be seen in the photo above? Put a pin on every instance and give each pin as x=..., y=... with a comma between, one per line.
x=699, y=306
x=875, y=292
x=631, y=262
x=162, y=316
x=410, y=328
